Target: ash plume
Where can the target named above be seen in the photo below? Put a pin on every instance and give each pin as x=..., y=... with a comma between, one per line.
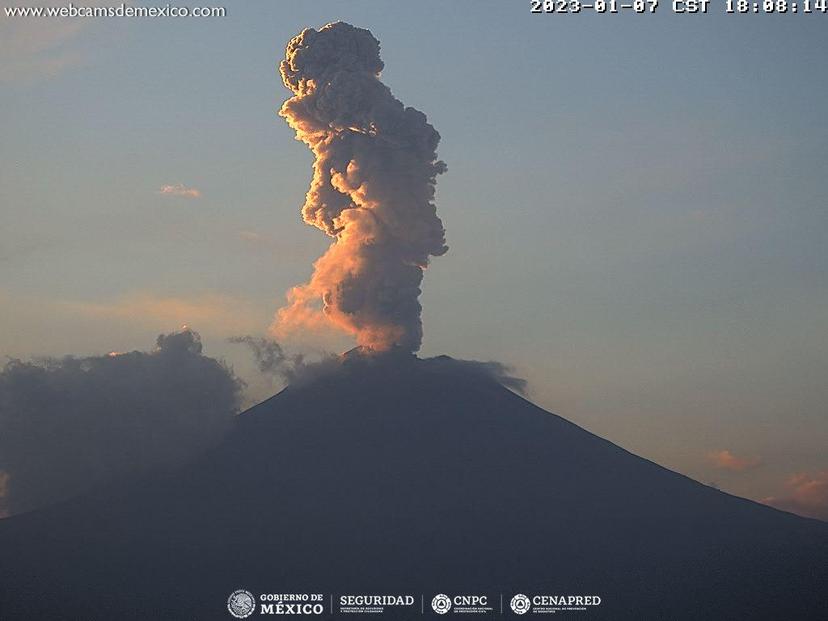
x=374, y=177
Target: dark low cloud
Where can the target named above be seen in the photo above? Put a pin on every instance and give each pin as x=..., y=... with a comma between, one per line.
x=71, y=423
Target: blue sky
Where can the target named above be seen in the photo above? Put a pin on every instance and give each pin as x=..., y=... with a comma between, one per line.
x=634, y=204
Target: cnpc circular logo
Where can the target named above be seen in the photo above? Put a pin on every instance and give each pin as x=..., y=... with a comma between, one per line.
x=241, y=603
x=520, y=604
x=441, y=604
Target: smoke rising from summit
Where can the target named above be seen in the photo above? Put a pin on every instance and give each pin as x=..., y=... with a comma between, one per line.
x=374, y=178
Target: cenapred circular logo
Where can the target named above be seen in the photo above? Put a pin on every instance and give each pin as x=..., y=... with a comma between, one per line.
x=520, y=604
x=441, y=604
x=241, y=603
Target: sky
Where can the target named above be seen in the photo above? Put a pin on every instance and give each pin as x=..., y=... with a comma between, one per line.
x=634, y=206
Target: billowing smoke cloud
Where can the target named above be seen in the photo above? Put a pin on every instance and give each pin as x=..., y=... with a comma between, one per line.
x=372, y=190
x=71, y=423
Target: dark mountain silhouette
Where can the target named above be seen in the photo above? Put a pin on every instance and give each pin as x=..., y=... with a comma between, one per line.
x=400, y=475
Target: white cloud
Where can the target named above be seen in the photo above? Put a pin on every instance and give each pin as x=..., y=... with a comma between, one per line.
x=179, y=189
x=806, y=494
x=725, y=460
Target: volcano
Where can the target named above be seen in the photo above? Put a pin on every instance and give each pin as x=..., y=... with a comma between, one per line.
x=396, y=475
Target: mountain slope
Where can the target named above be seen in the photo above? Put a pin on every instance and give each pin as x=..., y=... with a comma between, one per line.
x=399, y=475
